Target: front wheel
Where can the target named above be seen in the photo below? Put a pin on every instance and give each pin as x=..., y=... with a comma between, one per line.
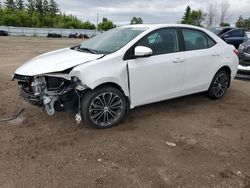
x=219, y=85
x=103, y=107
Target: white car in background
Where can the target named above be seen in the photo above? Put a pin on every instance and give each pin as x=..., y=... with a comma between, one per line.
x=129, y=66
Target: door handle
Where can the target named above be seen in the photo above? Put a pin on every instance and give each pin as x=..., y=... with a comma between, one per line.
x=178, y=60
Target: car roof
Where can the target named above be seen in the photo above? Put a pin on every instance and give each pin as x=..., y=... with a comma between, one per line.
x=154, y=26
x=158, y=26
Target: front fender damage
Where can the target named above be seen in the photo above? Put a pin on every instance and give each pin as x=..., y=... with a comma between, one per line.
x=55, y=92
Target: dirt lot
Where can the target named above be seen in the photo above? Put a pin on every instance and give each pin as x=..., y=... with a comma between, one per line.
x=212, y=138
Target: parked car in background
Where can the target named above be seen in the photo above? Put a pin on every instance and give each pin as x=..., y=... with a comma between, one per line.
x=244, y=55
x=54, y=35
x=76, y=35
x=231, y=35
x=129, y=66
x=73, y=35
x=85, y=36
x=3, y=33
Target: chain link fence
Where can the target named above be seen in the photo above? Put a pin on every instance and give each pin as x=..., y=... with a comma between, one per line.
x=43, y=32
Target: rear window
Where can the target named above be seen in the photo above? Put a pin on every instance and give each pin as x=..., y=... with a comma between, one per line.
x=196, y=40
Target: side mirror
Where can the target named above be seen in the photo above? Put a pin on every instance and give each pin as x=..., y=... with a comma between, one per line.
x=143, y=51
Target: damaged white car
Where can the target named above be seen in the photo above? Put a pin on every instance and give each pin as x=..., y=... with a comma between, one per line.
x=102, y=78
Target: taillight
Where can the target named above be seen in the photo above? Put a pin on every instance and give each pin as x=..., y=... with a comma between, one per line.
x=236, y=52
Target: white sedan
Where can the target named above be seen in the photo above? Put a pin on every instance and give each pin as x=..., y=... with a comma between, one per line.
x=102, y=78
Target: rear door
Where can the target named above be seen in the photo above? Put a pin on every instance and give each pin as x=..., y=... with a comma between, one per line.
x=201, y=58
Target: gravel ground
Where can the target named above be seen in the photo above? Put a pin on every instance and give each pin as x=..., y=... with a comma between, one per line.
x=186, y=142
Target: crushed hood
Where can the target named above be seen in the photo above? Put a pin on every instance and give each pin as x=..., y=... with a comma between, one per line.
x=55, y=61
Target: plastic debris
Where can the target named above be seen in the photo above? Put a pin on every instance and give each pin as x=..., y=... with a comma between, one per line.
x=170, y=144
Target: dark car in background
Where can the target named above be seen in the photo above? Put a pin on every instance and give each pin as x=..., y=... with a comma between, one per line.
x=239, y=38
x=54, y=35
x=76, y=35
x=231, y=35
x=244, y=55
x=3, y=33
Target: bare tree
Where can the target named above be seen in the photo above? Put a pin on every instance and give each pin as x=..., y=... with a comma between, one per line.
x=224, y=8
x=212, y=15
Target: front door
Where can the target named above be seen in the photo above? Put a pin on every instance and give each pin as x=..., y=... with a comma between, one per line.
x=159, y=76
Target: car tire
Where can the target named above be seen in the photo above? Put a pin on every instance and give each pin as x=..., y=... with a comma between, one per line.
x=219, y=85
x=103, y=107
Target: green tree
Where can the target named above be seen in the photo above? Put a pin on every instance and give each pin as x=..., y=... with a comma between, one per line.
x=1, y=8
x=243, y=23
x=106, y=25
x=87, y=25
x=186, y=17
x=193, y=17
x=30, y=6
x=53, y=7
x=136, y=20
x=38, y=13
x=20, y=5
x=39, y=6
x=45, y=6
x=1, y=12
x=224, y=24
x=10, y=5
x=197, y=17
x=240, y=22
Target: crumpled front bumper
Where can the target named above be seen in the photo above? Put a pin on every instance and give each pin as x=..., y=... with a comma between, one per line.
x=31, y=98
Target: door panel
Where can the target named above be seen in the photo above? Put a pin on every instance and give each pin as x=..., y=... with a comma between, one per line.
x=202, y=56
x=200, y=67
x=155, y=78
x=160, y=76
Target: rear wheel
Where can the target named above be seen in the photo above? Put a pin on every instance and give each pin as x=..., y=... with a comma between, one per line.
x=103, y=107
x=219, y=85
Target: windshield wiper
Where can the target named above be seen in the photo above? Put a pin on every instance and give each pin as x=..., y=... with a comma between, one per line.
x=88, y=49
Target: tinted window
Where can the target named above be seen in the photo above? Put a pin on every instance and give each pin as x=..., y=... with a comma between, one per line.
x=221, y=31
x=195, y=40
x=236, y=33
x=210, y=42
x=161, y=42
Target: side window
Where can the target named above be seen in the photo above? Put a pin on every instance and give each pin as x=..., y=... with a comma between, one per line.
x=236, y=33
x=161, y=42
x=210, y=42
x=196, y=40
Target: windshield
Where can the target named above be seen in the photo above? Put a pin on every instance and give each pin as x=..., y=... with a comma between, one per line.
x=112, y=40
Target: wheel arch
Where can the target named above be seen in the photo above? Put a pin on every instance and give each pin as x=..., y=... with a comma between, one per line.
x=115, y=85
x=227, y=69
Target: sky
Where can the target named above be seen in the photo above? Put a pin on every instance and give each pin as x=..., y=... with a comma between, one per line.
x=151, y=11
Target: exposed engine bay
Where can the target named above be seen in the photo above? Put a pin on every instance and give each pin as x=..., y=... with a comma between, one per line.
x=53, y=92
